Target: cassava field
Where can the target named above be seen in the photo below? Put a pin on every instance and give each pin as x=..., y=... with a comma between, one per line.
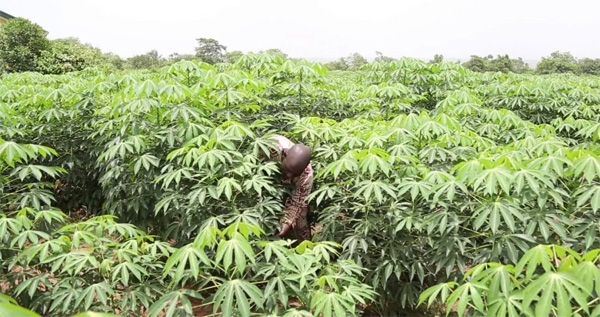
x=437, y=190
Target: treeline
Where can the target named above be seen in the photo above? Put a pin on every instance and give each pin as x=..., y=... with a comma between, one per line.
x=25, y=47
x=557, y=62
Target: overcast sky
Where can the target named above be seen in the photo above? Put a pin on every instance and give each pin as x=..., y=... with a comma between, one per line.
x=325, y=29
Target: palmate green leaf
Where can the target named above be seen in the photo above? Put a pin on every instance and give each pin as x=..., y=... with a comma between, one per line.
x=505, y=305
x=33, y=285
x=374, y=160
x=492, y=212
x=42, y=250
x=588, y=167
x=277, y=287
x=346, y=163
x=214, y=157
x=442, y=290
x=63, y=297
x=9, y=225
x=589, y=194
x=323, y=250
x=94, y=293
x=374, y=189
x=279, y=248
x=417, y=189
x=532, y=178
x=168, y=304
x=448, y=189
x=49, y=216
x=147, y=88
x=331, y=304
x=36, y=171
x=126, y=230
x=11, y=153
x=174, y=176
x=324, y=191
x=238, y=130
x=237, y=248
x=493, y=180
x=359, y=293
x=258, y=183
x=302, y=269
x=244, y=228
x=28, y=236
x=555, y=289
x=468, y=171
x=157, y=248
x=237, y=296
x=227, y=185
x=146, y=161
x=470, y=292
x=122, y=271
x=188, y=256
x=589, y=274
x=87, y=237
x=207, y=237
x=36, y=197
x=498, y=277
x=541, y=254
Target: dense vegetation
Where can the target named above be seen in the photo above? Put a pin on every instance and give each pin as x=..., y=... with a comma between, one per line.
x=148, y=191
x=24, y=47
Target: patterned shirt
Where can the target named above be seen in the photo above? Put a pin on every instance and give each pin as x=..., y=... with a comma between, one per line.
x=296, y=205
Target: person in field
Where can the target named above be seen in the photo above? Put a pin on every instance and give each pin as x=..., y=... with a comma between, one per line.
x=297, y=171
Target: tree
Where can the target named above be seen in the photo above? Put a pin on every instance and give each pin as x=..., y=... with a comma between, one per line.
x=356, y=61
x=558, y=62
x=176, y=57
x=232, y=57
x=520, y=66
x=148, y=60
x=478, y=63
x=21, y=44
x=340, y=64
x=381, y=58
x=437, y=58
x=502, y=63
x=210, y=51
x=590, y=66
x=113, y=59
x=67, y=55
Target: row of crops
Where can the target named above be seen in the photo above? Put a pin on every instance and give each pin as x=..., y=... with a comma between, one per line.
x=436, y=189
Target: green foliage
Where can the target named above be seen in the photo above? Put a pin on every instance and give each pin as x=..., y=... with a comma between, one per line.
x=276, y=52
x=549, y=280
x=558, y=62
x=437, y=58
x=233, y=57
x=339, y=64
x=21, y=44
x=502, y=63
x=145, y=61
x=67, y=55
x=210, y=51
x=590, y=66
x=423, y=172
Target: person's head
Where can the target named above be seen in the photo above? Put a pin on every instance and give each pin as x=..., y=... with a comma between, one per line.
x=296, y=159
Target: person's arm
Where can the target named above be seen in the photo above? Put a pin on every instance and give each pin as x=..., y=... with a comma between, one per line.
x=296, y=203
